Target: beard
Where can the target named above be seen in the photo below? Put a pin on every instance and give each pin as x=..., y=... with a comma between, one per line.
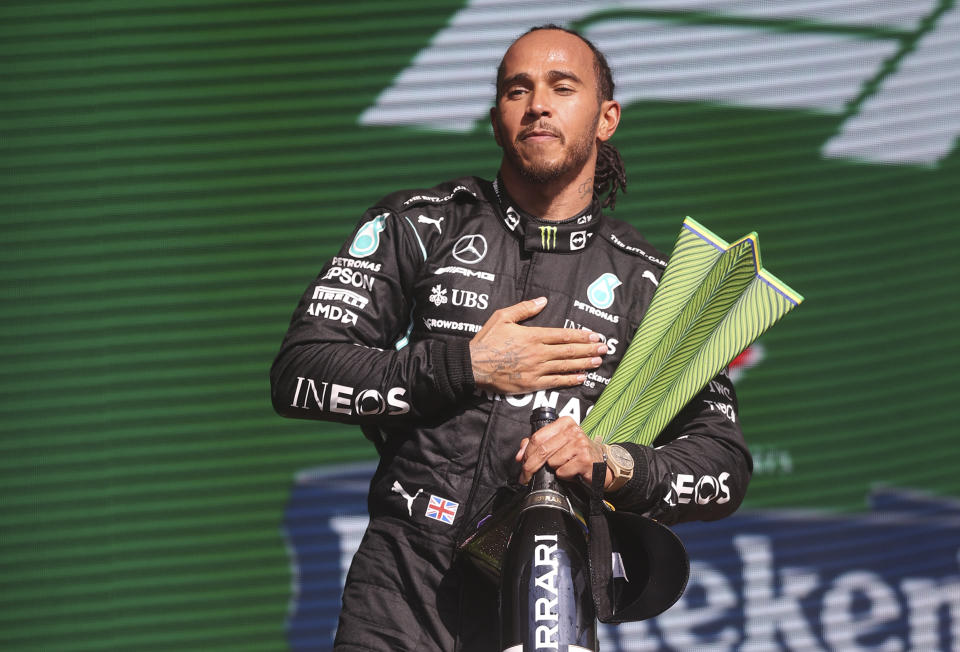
x=542, y=170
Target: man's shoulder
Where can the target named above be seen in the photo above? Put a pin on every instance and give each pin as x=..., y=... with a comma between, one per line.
x=456, y=191
x=626, y=238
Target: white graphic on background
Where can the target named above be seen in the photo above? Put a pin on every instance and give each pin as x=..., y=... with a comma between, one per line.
x=470, y=249
x=438, y=295
x=397, y=488
x=423, y=219
x=792, y=54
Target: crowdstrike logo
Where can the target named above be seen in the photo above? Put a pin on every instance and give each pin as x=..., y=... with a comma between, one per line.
x=886, y=69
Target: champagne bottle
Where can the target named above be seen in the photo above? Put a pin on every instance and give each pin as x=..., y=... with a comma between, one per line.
x=545, y=598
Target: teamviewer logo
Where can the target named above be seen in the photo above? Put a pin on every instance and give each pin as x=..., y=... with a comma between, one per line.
x=888, y=69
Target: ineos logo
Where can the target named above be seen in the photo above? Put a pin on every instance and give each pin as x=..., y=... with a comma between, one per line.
x=470, y=249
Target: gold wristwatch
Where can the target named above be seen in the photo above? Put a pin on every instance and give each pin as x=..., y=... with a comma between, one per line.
x=620, y=462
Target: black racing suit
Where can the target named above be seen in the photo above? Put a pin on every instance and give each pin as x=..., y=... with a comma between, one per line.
x=381, y=339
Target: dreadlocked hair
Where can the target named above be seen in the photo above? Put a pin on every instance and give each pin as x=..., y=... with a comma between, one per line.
x=610, y=175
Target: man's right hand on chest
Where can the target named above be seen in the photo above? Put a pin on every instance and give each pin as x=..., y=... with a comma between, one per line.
x=510, y=358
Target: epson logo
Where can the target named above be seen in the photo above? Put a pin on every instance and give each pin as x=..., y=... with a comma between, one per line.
x=349, y=277
x=340, y=399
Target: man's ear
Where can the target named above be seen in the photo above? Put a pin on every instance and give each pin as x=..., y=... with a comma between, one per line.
x=493, y=123
x=609, y=119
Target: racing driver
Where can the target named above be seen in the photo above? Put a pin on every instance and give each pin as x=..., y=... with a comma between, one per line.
x=452, y=312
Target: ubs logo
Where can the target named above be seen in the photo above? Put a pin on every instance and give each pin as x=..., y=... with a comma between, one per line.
x=470, y=249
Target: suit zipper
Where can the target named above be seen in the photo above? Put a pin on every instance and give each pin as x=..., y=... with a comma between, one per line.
x=481, y=455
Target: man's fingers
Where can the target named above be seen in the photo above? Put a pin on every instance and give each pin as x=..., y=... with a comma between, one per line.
x=523, y=310
x=564, y=367
x=562, y=445
x=567, y=380
x=563, y=335
x=551, y=352
x=523, y=447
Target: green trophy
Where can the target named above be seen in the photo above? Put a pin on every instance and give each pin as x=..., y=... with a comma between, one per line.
x=713, y=301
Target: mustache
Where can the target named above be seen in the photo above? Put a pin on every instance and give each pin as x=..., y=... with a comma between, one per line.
x=540, y=127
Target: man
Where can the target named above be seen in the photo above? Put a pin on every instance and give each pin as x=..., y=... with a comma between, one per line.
x=455, y=311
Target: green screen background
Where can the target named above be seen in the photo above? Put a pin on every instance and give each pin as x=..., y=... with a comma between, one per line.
x=175, y=173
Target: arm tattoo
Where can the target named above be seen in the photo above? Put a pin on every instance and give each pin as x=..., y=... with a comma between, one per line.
x=492, y=361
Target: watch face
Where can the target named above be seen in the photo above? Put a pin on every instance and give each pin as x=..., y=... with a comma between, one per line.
x=621, y=456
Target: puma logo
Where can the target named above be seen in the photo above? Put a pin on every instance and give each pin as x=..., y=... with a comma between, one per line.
x=398, y=489
x=423, y=219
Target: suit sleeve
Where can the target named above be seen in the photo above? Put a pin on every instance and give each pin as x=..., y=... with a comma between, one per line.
x=699, y=467
x=345, y=356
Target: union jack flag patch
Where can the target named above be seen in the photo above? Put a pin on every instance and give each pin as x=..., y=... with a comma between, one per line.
x=441, y=509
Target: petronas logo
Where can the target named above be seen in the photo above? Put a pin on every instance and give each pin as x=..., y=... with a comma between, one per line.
x=548, y=237
x=600, y=292
x=368, y=237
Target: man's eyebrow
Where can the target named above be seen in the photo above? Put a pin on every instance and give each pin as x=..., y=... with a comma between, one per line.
x=557, y=75
x=520, y=77
x=553, y=76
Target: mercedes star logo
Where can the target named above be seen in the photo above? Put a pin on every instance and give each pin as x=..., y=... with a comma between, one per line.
x=470, y=249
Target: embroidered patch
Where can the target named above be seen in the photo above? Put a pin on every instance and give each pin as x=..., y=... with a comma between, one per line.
x=441, y=509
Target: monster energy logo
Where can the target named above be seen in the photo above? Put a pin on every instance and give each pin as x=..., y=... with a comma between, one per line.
x=548, y=237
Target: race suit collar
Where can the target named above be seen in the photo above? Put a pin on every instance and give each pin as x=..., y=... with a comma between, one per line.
x=570, y=235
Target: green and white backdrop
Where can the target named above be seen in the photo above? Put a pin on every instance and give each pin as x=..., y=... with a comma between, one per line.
x=174, y=173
